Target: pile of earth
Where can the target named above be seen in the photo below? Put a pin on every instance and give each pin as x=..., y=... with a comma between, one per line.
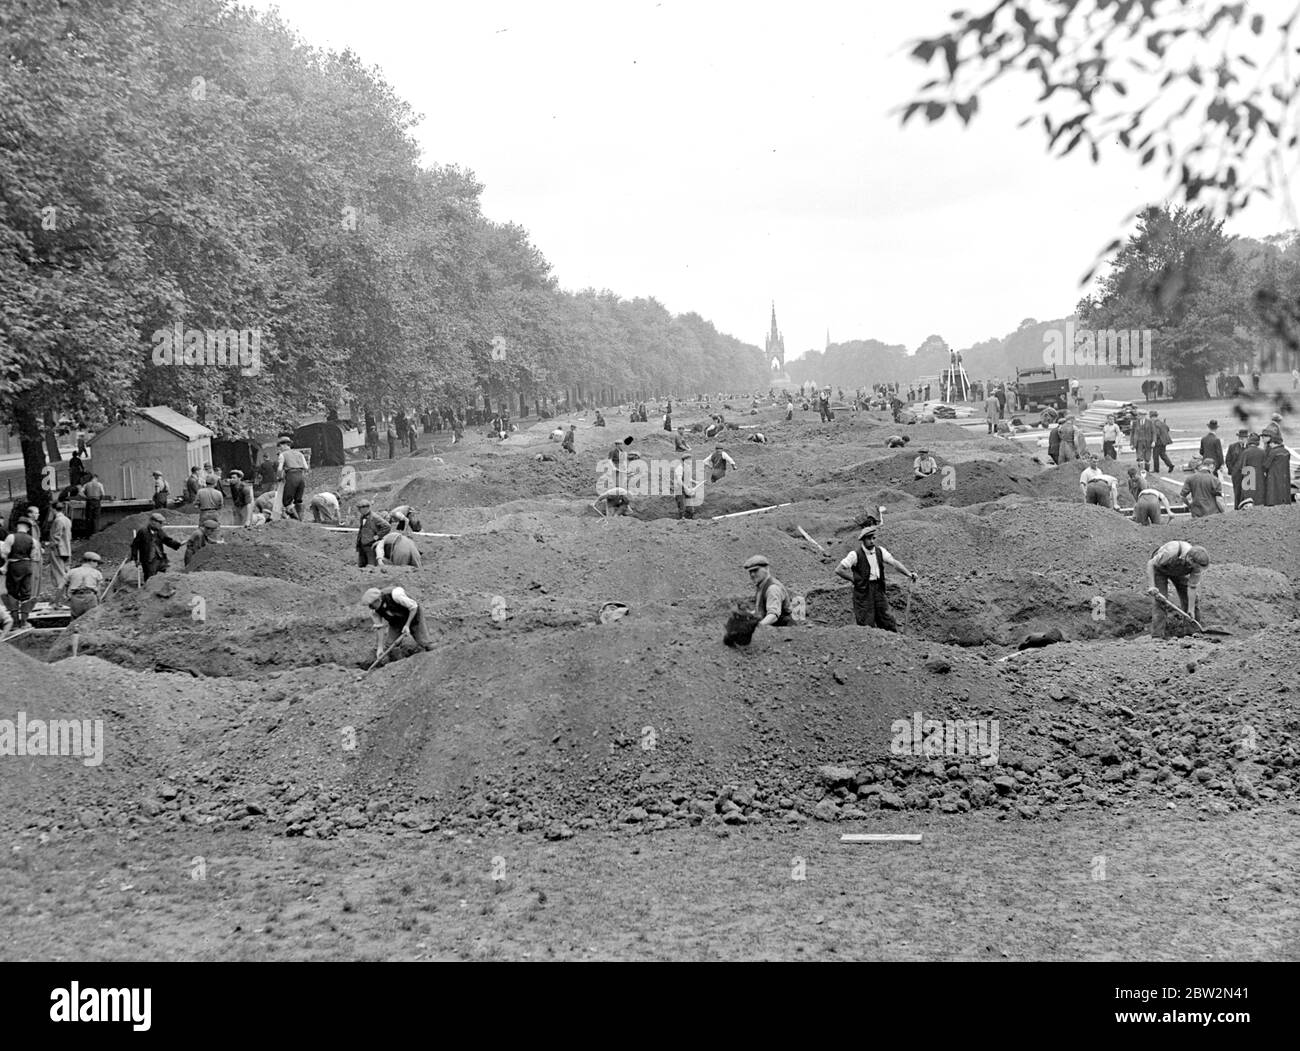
x=630, y=724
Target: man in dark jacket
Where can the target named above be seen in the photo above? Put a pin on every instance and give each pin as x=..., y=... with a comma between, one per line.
x=1233, y=462
x=1211, y=447
x=1159, y=443
x=147, y=546
x=370, y=528
x=1277, y=473
x=1252, y=473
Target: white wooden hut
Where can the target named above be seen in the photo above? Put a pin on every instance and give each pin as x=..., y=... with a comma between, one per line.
x=126, y=453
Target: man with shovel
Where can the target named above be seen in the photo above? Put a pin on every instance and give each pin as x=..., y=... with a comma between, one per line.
x=394, y=608
x=1179, y=562
x=864, y=568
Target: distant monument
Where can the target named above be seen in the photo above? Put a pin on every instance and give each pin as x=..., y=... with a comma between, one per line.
x=775, y=349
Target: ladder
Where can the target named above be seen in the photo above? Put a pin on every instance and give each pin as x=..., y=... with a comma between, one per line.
x=955, y=379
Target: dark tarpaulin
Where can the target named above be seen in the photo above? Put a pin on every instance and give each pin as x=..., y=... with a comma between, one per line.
x=325, y=441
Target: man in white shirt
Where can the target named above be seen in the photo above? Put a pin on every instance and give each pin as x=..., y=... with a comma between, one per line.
x=1097, y=486
x=924, y=466
x=325, y=508
x=772, y=604
x=1151, y=508
x=1110, y=433
x=1182, y=563
x=864, y=568
x=719, y=463
x=395, y=609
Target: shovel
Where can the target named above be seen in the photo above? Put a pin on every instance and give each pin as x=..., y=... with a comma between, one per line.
x=395, y=644
x=1200, y=628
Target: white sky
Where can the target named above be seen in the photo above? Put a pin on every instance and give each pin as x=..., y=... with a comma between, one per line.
x=719, y=154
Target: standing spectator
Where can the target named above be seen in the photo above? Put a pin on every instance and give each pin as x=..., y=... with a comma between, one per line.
x=1233, y=461
x=1277, y=473
x=265, y=474
x=1211, y=447
x=1159, y=443
x=192, y=485
x=1254, y=380
x=93, y=491
x=1252, y=473
x=1142, y=434
x=76, y=470
x=991, y=412
x=60, y=547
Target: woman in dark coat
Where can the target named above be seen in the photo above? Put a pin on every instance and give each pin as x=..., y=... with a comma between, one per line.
x=1252, y=472
x=1277, y=475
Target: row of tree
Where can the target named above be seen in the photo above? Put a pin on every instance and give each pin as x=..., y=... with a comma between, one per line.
x=193, y=167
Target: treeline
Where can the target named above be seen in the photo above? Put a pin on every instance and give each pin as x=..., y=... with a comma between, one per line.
x=194, y=168
x=1212, y=302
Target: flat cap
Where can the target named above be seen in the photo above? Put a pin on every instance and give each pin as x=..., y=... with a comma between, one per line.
x=156, y=517
x=867, y=531
x=90, y=556
x=755, y=561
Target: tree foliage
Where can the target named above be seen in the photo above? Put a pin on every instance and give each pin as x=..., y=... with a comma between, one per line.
x=195, y=165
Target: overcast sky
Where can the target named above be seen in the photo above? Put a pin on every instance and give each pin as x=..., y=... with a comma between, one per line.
x=719, y=155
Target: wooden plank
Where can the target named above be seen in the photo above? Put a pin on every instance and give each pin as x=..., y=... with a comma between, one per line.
x=756, y=510
x=881, y=837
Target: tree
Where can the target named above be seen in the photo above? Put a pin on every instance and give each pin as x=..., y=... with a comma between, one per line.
x=1179, y=276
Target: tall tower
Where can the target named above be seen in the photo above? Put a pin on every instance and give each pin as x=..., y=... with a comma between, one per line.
x=775, y=349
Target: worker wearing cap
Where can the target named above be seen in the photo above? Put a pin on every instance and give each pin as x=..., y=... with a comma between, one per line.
x=370, y=528
x=325, y=508
x=291, y=468
x=924, y=466
x=147, y=546
x=394, y=608
x=206, y=534
x=1182, y=563
x=1202, y=492
x=208, y=499
x=161, y=491
x=771, y=597
x=864, y=568
x=19, y=552
x=404, y=518
x=83, y=584
x=719, y=462
x=241, y=499
x=1233, y=461
x=1097, y=486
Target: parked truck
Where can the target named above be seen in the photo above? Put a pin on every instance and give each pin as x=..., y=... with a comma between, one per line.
x=1039, y=388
